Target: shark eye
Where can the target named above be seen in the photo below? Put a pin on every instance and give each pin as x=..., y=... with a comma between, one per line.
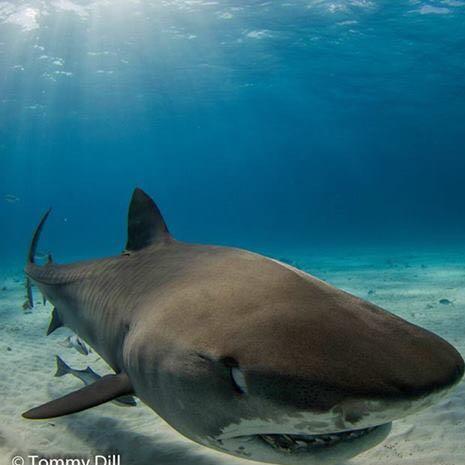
x=239, y=380
x=237, y=376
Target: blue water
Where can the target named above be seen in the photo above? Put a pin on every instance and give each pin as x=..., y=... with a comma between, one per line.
x=252, y=123
x=327, y=133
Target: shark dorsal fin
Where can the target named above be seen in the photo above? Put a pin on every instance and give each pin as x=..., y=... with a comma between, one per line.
x=145, y=223
x=103, y=390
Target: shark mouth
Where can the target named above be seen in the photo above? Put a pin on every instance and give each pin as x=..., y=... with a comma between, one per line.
x=295, y=448
x=301, y=442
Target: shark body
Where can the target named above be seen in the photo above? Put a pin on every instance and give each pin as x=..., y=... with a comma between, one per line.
x=239, y=352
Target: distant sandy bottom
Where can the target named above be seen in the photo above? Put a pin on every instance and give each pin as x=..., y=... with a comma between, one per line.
x=410, y=285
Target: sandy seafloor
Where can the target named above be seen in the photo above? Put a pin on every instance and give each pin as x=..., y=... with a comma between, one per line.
x=408, y=283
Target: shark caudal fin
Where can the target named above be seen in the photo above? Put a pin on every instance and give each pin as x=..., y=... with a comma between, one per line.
x=146, y=225
x=31, y=255
x=35, y=238
x=104, y=390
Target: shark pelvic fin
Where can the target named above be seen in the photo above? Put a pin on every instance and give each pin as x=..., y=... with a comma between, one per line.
x=55, y=323
x=107, y=388
x=145, y=223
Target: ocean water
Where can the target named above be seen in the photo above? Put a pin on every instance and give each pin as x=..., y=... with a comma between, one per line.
x=325, y=133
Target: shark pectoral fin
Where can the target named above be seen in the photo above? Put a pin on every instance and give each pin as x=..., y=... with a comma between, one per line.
x=107, y=388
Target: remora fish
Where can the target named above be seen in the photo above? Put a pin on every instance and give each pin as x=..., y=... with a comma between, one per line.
x=88, y=376
x=239, y=352
x=75, y=343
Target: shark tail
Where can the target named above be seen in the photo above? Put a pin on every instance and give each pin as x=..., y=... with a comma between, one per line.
x=31, y=256
x=62, y=368
x=36, y=236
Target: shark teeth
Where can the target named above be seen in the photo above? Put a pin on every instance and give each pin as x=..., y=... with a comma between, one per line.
x=295, y=442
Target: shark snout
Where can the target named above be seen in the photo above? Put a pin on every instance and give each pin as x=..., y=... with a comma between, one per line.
x=366, y=381
x=420, y=364
x=417, y=380
x=424, y=371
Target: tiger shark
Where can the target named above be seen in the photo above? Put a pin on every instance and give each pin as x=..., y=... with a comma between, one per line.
x=239, y=352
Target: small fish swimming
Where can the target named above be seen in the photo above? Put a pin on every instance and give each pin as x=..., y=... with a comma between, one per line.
x=76, y=343
x=10, y=198
x=88, y=376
